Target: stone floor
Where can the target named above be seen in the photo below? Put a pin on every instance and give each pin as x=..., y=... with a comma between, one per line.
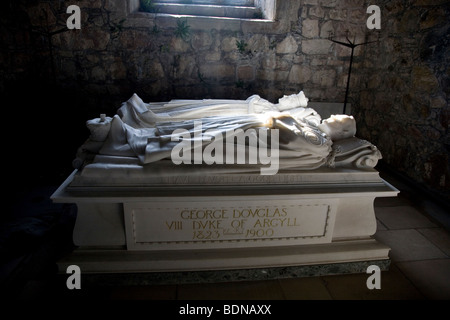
x=415, y=227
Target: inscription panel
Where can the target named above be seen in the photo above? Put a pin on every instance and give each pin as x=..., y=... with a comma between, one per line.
x=228, y=224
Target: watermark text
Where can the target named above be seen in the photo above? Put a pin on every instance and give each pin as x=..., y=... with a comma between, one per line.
x=241, y=147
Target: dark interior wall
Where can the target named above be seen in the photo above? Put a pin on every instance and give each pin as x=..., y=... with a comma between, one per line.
x=55, y=79
x=41, y=119
x=403, y=105
x=117, y=53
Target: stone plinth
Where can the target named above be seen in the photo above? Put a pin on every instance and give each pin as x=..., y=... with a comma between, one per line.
x=218, y=222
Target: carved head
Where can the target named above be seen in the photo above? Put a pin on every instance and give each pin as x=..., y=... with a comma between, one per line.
x=339, y=127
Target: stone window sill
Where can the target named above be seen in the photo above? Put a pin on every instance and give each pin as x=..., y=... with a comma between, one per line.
x=245, y=9
x=166, y=21
x=194, y=18
x=138, y=18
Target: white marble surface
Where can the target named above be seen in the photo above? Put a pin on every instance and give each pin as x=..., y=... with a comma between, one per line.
x=105, y=222
x=139, y=211
x=145, y=132
x=224, y=222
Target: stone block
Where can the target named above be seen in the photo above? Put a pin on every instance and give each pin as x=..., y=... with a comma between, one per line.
x=299, y=74
x=117, y=69
x=269, y=61
x=438, y=102
x=246, y=73
x=424, y=80
x=155, y=71
x=116, y=7
x=218, y=71
x=85, y=39
x=288, y=45
x=429, y=2
x=139, y=22
x=184, y=67
x=92, y=4
x=135, y=39
x=285, y=64
x=271, y=75
x=338, y=14
x=326, y=29
x=432, y=17
x=229, y=44
x=316, y=12
x=331, y=3
x=409, y=21
x=316, y=46
x=179, y=45
x=258, y=43
x=211, y=23
x=98, y=74
x=310, y=28
x=358, y=14
x=324, y=78
x=265, y=26
x=37, y=12
x=213, y=56
x=311, y=2
x=201, y=40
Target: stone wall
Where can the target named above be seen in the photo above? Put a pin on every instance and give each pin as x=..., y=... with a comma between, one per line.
x=399, y=85
x=117, y=52
x=403, y=104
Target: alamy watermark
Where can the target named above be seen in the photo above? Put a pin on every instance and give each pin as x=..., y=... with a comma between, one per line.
x=74, y=280
x=373, y=281
x=241, y=147
x=74, y=21
x=374, y=21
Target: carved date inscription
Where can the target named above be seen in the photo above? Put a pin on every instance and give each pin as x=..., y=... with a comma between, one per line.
x=233, y=222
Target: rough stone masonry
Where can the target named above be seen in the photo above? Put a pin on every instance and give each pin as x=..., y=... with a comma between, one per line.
x=399, y=88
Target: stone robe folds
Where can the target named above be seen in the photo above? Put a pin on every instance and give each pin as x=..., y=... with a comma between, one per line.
x=143, y=131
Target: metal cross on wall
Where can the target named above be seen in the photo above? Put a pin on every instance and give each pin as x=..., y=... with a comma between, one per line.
x=351, y=45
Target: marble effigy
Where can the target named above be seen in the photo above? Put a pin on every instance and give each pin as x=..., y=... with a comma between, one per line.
x=144, y=133
x=140, y=210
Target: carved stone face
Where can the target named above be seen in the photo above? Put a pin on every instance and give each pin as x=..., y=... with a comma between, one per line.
x=339, y=127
